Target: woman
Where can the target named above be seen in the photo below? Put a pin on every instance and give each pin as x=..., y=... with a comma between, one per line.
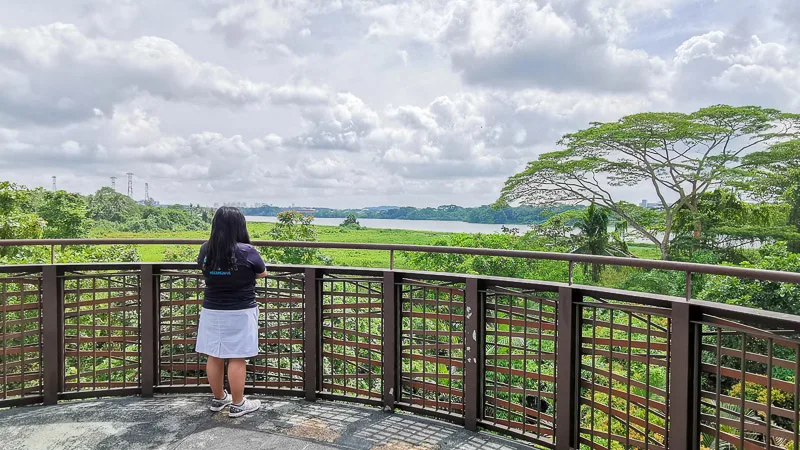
x=228, y=326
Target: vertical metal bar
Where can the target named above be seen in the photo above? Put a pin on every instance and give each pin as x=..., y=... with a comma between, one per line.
x=172, y=331
x=742, y=405
x=688, y=286
x=611, y=371
x=510, y=378
x=149, y=331
x=593, y=375
x=424, y=347
x=78, y=295
x=571, y=271
x=109, y=331
x=628, y=385
x=647, y=383
x=718, y=391
x=511, y=304
x=668, y=369
x=436, y=347
x=796, y=396
x=94, y=332
x=768, y=419
x=450, y=354
x=681, y=381
x=567, y=368
x=312, y=335
x=540, y=350
x=4, y=300
x=52, y=254
x=473, y=386
x=495, y=357
x=391, y=259
x=52, y=342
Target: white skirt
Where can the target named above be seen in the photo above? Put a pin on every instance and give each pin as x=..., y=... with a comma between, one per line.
x=228, y=334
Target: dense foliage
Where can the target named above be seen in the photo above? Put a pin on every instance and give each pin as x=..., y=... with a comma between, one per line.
x=293, y=226
x=31, y=214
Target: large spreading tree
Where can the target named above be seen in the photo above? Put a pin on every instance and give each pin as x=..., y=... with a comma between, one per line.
x=678, y=156
x=773, y=175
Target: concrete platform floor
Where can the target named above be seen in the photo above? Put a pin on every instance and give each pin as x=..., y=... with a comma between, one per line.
x=183, y=422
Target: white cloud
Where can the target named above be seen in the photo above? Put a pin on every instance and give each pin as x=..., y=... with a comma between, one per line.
x=515, y=44
x=260, y=23
x=358, y=102
x=108, y=17
x=718, y=66
x=341, y=124
x=58, y=61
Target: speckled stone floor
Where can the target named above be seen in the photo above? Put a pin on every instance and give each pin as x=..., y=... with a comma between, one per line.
x=184, y=422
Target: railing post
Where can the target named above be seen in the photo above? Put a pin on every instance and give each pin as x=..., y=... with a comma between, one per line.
x=149, y=328
x=53, y=333
x=474, y=355
x=568, y=369
x=683, y=405
x=312, y=334
x=391, y=339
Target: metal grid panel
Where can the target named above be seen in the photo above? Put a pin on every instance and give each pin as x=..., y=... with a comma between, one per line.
x=21, y=344
x=352, y=336
x=624, y=382
x=520, y=361
x=280, y=364
x=762, y=414
x=101, y=331
x=181, y=295
x=432, y=345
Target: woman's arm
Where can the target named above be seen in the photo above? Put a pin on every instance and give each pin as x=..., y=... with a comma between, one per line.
x=254, y=258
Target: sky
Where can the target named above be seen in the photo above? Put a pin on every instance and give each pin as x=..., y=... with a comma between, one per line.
x=353, y=103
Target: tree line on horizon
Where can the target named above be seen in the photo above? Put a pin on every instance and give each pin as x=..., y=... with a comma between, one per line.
x=487, y=214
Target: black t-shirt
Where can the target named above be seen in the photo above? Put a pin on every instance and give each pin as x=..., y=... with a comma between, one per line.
x=236, y=288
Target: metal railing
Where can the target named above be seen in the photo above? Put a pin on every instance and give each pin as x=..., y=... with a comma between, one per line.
x=570, y=258
x=560, y=365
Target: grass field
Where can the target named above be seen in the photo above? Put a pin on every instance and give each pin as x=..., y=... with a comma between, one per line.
x=352, y=258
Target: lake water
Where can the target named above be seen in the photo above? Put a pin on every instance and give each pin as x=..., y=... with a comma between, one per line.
x=417, y=225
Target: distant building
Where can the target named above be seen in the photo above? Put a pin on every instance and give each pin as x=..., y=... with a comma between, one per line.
x=300, y=210
x=232, y=204
x=656, y=205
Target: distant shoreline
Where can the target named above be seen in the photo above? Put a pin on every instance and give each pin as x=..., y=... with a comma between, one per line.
x=417, y=219
x=483, y=215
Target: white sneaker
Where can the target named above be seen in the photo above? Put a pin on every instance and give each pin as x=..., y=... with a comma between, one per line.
x=246, y=407
x=218, y=405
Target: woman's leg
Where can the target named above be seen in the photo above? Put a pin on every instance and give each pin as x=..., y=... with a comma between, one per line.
x=216, y=374
x=237, y=370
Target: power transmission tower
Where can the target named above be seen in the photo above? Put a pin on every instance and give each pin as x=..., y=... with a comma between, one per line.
x=114, y=183
x=54, y=183
x=130, y=184
x=147, y=193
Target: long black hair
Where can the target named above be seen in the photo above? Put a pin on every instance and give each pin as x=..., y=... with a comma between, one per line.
x=227, y=229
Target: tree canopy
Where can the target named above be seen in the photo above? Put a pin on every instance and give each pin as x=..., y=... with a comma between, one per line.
x=16, y=220
x=108, y=204
x=680, y=156
x=65, y=214
x=774, y=175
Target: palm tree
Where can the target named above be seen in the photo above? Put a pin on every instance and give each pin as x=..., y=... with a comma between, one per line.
x=593, y=238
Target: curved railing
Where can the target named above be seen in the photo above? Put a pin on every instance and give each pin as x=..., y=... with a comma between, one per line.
x=559, y=365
